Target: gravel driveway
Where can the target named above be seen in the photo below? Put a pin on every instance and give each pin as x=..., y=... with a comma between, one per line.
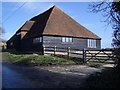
x=71, y=69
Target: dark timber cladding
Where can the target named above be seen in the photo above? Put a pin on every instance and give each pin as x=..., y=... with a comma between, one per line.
x=77, y=43
x=50, y=28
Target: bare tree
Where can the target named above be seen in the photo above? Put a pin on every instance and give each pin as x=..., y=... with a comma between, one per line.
x=111, y=12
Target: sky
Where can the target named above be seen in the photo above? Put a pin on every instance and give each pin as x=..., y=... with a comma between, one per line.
x=15, y=14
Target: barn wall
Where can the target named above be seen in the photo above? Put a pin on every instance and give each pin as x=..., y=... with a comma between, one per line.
x=28, y=45
x=98, y=44
x=9, y=46
x=16, y=43
x=78, y=43
x=50, y=41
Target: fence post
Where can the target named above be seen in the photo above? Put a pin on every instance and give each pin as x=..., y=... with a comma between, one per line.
x=43, y=50
x=84, y=55
x=68, y=52
x=54, y=50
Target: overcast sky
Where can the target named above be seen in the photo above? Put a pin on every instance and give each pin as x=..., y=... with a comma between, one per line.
x=15, y=14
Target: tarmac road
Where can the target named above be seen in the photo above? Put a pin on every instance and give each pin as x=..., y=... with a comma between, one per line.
x=75, y=76
x=11, y=78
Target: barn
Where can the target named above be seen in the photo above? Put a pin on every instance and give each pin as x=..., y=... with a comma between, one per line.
x=53, y=28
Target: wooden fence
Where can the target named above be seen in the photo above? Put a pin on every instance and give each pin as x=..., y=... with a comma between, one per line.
x=86, y=55
x=102, y=54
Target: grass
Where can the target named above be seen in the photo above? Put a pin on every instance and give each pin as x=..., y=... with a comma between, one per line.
x=34, y=59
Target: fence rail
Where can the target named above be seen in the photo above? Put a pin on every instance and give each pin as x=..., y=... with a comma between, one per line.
x=103, y=54
x=86, y=55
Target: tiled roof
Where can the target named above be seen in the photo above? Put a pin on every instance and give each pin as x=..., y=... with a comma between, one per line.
x=55, y=22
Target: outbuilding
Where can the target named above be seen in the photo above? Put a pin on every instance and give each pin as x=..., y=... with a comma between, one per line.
x=53, y=28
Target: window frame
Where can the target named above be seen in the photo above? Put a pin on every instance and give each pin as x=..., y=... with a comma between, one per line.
x=66, y=39
x=91, y=43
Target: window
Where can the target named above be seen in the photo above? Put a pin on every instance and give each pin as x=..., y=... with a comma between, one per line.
x=67, y=39
x=63, y=39
x=37, y=40
x=70, y=40
x=91, y=43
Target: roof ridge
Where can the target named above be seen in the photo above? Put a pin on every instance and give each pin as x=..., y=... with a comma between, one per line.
x=50, y=9
x=54, y=9
x=49, y=16
x=55, y=21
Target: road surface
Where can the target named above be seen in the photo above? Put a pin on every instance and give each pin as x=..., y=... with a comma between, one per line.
x=75, y=76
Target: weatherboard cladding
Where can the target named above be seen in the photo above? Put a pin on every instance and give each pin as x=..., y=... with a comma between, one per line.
x=55, y=22
x=77, y=43
x=28, y=45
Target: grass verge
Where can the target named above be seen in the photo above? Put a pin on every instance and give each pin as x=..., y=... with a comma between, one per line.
x=34, y=59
